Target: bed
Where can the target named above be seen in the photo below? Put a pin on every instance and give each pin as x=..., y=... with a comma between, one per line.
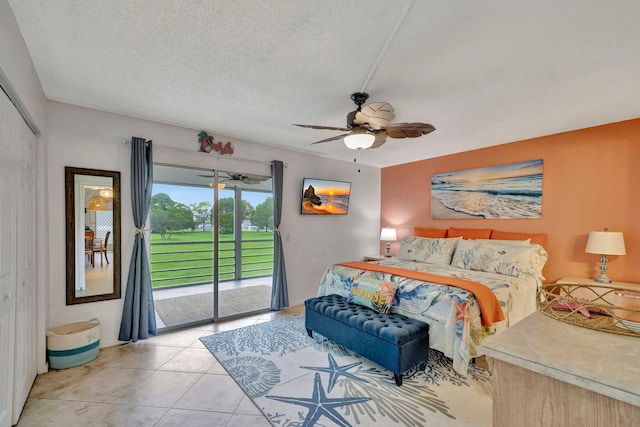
x=415, y=283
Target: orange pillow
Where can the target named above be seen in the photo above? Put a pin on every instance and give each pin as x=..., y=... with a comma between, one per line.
x=470, y=233
x=538, y=238
x=434, y=233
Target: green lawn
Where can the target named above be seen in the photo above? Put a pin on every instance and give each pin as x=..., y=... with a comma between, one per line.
x=186, y=257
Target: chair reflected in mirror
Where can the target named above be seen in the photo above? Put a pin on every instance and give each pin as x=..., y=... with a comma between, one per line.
x=100, y=246
x=88, y=246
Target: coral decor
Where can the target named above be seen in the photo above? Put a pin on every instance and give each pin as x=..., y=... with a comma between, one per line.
x=207, y=144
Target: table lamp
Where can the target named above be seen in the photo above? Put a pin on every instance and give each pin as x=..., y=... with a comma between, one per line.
x=605, y=243
x=388, y=234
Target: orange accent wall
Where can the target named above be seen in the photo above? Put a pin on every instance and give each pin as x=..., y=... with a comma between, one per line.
x=591, y=180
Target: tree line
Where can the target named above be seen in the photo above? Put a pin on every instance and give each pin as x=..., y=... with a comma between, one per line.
x=168, y=216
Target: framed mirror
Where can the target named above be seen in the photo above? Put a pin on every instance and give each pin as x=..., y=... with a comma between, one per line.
x=92, y=204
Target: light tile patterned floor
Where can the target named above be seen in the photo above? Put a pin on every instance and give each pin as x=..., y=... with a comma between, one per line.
x=168, y=380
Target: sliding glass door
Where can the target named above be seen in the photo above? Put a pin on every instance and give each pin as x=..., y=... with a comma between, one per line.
x=211, y=244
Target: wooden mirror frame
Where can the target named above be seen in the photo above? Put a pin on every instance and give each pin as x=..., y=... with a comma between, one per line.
x=70, y=199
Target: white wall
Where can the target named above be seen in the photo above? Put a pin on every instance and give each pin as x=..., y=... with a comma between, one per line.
x=73, y=136
x=82, y=137
x=16, y=65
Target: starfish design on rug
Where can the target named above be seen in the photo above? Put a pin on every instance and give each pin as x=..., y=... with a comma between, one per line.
x=320, y=405
x=335, y=371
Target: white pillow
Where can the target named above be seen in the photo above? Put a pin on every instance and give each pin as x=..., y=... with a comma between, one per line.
x=425, y=249
x=509, y=259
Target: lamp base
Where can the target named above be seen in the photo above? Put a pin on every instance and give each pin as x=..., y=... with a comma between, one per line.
x=603, y=278
x=388, y=254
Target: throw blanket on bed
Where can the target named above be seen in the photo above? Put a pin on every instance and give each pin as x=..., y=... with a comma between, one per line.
x=487, y=302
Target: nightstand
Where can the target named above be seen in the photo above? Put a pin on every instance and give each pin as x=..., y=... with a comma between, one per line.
x=374, y=257
x=592, y=282
x=596, y=289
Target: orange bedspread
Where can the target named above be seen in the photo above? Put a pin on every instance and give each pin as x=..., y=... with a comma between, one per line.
x=487, y=302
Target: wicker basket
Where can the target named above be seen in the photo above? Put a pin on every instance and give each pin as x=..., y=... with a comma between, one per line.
x=604, y=308
x=73, y=344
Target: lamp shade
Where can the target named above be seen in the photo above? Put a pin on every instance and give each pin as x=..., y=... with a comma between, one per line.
x=388, y=234
x=605, y=243
x=97, y=203
x=359, y=141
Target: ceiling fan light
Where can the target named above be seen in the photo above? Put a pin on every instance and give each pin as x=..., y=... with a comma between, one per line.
x=106, y=192
x=359, y=141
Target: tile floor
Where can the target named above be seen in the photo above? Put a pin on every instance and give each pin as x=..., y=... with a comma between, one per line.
x=167, y=380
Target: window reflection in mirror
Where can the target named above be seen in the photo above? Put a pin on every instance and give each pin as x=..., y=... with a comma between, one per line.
x=93, y=235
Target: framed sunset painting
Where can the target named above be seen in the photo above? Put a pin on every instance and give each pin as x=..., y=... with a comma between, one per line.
x=325, y=197
x=512, y=190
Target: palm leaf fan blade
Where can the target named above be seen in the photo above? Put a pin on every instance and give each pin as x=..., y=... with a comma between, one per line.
x=334, y=138
x=376, y=115
x=321, y=127
x=409, y=130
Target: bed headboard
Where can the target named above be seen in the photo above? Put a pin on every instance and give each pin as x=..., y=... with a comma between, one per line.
x=479, y=233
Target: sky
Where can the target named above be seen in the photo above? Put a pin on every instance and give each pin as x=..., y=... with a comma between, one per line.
x=322, y=186
x=190, y=195
x=509, y=170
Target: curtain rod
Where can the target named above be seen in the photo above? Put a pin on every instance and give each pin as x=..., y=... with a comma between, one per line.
x=126, y=141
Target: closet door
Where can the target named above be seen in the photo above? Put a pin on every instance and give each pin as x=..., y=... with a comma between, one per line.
x=8, y=276
x=25, y=363
x=18, y=314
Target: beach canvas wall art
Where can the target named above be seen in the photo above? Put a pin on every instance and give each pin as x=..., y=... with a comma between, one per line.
x=325, y=197
x=512, y=190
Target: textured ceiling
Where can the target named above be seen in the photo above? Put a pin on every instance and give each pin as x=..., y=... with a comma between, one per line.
x=482, y=72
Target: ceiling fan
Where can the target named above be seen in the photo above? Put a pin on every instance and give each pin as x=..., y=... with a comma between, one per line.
x=237, y=179
x=369, y=126
x=244, y=179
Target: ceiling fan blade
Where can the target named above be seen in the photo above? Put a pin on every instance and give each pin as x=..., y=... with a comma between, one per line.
x=380, y=139
x=333, y=138
x=321, y=127
x=376, y=115
x=254, y=179
x=409, y=130
x=248, y=179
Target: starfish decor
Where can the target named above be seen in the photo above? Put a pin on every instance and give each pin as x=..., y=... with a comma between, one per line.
x=92, y=337
x=334, y=370
x=319, y=404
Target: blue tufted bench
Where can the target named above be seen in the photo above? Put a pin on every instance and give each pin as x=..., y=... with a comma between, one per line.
x=394, y=341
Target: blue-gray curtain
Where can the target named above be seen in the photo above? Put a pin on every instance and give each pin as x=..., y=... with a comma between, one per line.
x=279, y=293
x=138, y=314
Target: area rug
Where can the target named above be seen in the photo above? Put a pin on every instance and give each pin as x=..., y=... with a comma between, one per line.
x=296, y=380
x=191, y=308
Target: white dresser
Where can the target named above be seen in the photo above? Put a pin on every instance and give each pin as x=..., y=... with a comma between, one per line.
x=550, y=373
